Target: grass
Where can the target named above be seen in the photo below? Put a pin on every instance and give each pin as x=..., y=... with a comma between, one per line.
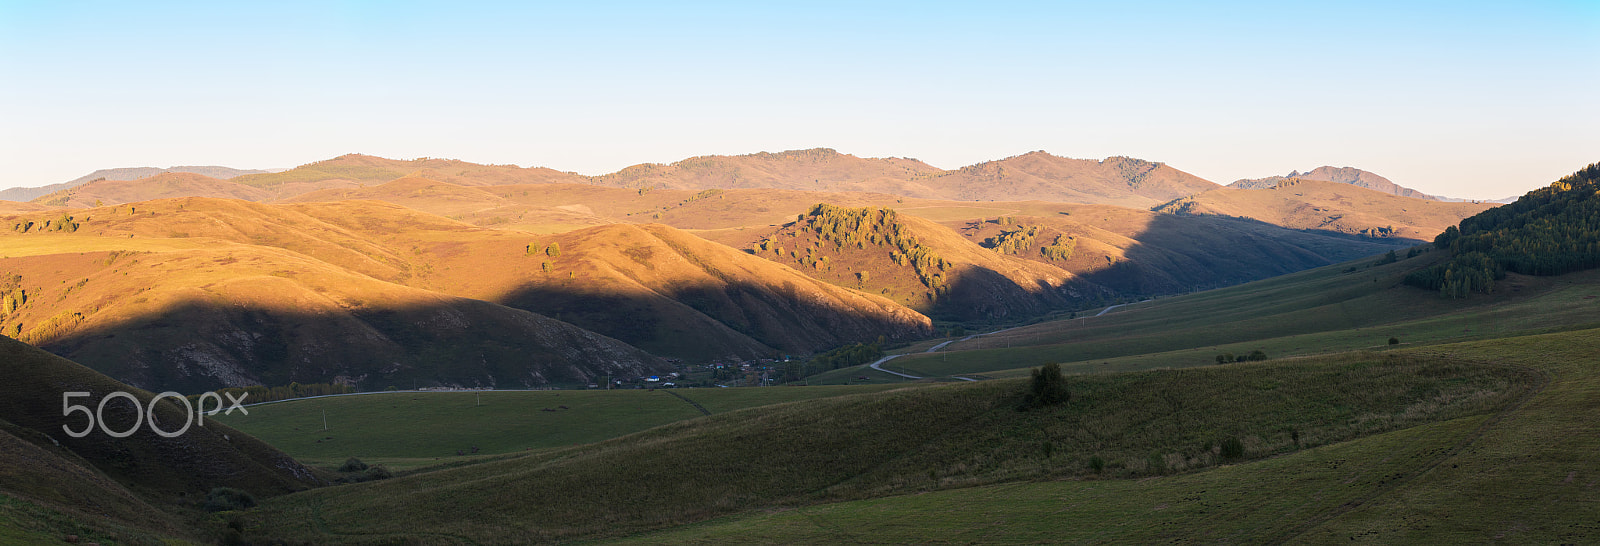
x=410, y=430
x=1525, y=473
x=1255, y=503
x=900, y=441
x=1318, y=311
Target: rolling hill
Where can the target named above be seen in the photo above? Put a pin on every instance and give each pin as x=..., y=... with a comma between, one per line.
x=1039, y=176
x=1033, y=176
x=1150, y=253
x=378, y=295
x=160, y=186
x=127, y=173
x=141, y=488
x=1329, y=207
x=1343, y=175
x=1138, y=253
x=248, y=301
x=921, y=264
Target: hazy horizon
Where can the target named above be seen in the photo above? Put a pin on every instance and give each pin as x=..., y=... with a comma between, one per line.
x=1469, y=100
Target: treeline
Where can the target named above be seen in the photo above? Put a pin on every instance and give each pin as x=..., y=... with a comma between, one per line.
x=1549, y=231
x=843, y=357
x=258, y=393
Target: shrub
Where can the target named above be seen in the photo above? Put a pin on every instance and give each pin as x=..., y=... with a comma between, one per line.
x=1097, y=464
x=1157, y=463
x=378, y=472
x=1232, y=448
x=1394, y=341
x=1387, y=259
x=352, y=465
x=223, y=499
x=1256, y=356
x=1047, y=387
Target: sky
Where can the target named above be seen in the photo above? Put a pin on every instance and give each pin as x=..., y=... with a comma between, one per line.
x=1477, y=100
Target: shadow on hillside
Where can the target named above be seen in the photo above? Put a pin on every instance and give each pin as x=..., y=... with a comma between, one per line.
x=722, y=321
x=196, y=347
x=982, y=294
x=1181, y=254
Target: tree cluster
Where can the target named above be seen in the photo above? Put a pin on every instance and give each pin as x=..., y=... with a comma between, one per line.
x=842, y=357
x=859, y=227
x=1061, y=249
x=1014, y=241
x=1549, y=231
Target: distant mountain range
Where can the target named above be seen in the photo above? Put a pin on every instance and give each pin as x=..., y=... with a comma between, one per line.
x=125, y=173
x=1354, y=177
x=1038, y=176
x=377, y=272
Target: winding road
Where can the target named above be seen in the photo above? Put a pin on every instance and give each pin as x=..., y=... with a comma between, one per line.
x=935, y=348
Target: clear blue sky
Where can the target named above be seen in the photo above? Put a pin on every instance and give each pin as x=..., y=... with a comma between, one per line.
x=1470, y=99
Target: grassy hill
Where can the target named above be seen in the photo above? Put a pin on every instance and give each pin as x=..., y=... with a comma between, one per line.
x=1138, y=253
x=817, y=169
x=265, y=295
x=159, y=186
x=1343, y=175
x=137, y=489
x=1039, y=176
x=1331, y=207
x=418, y=429
x=1351, y=306
x=919, y=264
x=1131, y=252
x=126, y=173
x=905, y=441
x=203, y=293
x=1523, y=473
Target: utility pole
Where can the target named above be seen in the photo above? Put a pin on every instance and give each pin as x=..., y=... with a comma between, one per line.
x=324, y=420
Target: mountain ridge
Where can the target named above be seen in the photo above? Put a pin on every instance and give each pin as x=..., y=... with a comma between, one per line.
x=124, y=174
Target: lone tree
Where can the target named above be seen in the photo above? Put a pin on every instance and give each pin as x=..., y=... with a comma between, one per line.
x=1047, y=387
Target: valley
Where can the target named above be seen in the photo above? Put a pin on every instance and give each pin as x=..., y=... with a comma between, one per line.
x=499, y=322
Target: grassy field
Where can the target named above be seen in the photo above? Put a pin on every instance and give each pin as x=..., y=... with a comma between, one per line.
x=1523, y=474
x=406, y=430
x=928, y=438
x=1318, y=311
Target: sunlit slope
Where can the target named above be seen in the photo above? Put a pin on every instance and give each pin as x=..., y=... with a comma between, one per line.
x=653, y=286
x=200, y=312
x=365, y=261
x=1525, y=474
x=1131, y=251
x=160, y=186
x=921, y=264
x=1330, y=206
x=1122, y=181
x=118, y=486
x=905, y=441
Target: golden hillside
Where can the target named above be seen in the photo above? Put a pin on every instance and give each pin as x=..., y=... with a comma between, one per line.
x=377, y=294
x=920, y=264
x=237, y=299
x=161, y=186
x=1332, y=207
